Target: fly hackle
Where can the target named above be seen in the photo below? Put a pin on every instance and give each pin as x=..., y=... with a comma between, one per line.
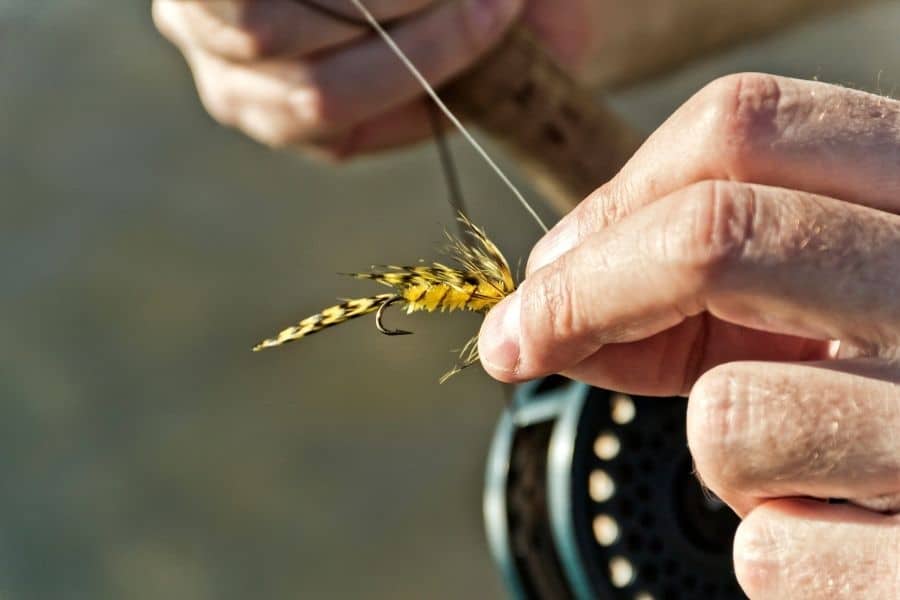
x=379, y=319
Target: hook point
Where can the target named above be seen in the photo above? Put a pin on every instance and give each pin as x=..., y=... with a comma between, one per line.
x=379, y=316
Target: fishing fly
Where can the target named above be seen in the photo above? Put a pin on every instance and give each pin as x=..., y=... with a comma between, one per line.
x=481, y=277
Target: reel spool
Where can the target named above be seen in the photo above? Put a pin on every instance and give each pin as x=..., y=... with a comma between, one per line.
x=590, y=494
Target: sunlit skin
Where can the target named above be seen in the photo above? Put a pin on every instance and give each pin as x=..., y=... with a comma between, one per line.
x=747, y=256
x=289, y=76
x=757, y=226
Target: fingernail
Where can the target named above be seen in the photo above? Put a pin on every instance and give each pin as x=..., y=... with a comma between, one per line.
x=562, y=238
x=499, y=337
x=487, y=17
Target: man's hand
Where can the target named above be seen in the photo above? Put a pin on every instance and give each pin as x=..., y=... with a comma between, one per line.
x=286, y=74
x=755, y=232
x=289, y=75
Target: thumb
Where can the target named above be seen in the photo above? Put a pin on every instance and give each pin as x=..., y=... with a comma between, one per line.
x=620, y=284
x=547, y=325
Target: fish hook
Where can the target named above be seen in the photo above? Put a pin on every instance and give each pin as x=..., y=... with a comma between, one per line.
x=380, y=315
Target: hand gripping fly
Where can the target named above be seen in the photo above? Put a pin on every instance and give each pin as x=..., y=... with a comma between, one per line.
x=480, y=279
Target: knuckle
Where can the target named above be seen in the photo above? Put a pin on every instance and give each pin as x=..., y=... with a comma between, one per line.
x=741, y=116
x=251, y=46
x=237, y=44
x=233, y=29
x=612, y=205
x=213, y=88
x=561, y=313
x=710, y=227
x=717, y=418
x=219, y=109
x=217, y=102
x=262, y=126
x=164, y=19
x=548, y=314
x=256, y=40
x=275, y=137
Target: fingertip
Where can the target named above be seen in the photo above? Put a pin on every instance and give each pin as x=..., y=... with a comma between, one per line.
x=808, y=548
x=161, y=14
x=498, y=342
x=755, y=552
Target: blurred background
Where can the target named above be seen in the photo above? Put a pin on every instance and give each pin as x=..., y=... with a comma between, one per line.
x=144, y=451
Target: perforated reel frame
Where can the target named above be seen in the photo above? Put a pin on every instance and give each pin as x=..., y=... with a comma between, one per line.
x=590, y=494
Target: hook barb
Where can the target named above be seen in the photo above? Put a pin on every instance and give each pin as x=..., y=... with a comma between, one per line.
x=379, y=316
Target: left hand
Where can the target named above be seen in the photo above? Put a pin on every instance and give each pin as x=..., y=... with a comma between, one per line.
x=751, y=235
x=287, y=74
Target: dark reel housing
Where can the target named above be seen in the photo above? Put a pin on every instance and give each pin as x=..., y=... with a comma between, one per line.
x=591, y=494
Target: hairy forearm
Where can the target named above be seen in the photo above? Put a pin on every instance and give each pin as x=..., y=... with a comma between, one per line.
x=631, y=39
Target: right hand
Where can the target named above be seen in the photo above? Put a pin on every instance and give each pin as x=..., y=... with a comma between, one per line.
x=747, y=256
x=286, y=74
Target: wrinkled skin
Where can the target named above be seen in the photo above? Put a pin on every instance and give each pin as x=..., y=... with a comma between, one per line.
x=748, y=256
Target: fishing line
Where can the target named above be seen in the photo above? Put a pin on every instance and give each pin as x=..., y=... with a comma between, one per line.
x=448, y=165
x=445, y=156
x=447, y=112
x=373, y=22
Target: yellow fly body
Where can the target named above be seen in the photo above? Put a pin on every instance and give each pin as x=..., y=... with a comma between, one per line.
x=481, y=280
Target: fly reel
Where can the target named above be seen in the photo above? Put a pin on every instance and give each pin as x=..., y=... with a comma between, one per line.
x=590, y=494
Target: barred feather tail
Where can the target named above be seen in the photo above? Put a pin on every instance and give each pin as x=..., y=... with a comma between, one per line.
x=405, y=277
x=333, y=315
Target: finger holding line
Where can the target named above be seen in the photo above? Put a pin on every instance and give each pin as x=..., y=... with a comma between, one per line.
x=300, y=100
x=254, y=101
x=766, y=258
x=365, y=79
x=251, y=31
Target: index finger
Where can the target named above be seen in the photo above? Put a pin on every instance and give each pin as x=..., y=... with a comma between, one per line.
x=754, y=128
x=766, y=258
